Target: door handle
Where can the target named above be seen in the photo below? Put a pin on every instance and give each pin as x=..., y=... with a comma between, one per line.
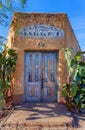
x=42, y=84
x=42, y=79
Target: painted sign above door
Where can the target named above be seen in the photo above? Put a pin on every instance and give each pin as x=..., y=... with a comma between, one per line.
x=41, y=30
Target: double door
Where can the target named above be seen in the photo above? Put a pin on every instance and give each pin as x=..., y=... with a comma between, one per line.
x=41, y=76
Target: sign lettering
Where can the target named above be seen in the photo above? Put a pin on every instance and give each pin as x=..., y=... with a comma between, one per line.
x=41, y=31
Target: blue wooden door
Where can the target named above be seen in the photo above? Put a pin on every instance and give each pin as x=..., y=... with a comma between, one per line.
x=41, y=76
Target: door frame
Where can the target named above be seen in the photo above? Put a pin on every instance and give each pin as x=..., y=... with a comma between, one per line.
x=40, y=51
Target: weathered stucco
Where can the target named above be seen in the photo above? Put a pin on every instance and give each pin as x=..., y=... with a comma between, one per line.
x=22, y=44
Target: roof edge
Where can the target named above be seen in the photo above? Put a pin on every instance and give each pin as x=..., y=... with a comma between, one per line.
x=41, y=13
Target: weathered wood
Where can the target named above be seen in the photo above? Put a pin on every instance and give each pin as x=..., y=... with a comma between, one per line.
x=41, y=76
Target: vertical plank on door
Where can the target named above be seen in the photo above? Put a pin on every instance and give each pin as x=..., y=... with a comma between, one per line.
x=33, y=67
x=33, y=90
x=30, y=67
x=45, y=67
x=49, y=66
x=30, y=91
x=27, y=64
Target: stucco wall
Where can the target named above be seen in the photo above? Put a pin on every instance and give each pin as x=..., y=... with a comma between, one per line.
x=22, y=44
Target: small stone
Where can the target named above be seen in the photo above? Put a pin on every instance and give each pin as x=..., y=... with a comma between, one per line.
x=2, y=113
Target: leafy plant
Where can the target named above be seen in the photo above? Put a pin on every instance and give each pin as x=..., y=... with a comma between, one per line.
x=74, y=89
x=7, y=68
x=7, y=9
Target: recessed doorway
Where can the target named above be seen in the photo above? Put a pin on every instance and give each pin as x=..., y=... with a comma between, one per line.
x=41, y=76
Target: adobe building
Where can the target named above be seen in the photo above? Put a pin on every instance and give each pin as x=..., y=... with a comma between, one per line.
x=41, y=68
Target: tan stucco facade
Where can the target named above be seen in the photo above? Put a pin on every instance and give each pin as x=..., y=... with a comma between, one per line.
x=22, y=44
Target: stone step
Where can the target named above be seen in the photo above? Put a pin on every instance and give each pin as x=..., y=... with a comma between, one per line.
x=37, y=126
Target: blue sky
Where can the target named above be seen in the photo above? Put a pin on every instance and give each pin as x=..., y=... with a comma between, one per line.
x=75, y=9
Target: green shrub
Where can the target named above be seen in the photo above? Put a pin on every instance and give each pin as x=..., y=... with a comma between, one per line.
x=8, y=59
x=74, y=90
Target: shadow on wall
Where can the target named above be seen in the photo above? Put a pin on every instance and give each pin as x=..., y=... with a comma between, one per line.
x=62, y=71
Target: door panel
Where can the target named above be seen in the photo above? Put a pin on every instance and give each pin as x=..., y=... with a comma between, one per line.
x=41, y=76
x=33, y=82
x=49, y=86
